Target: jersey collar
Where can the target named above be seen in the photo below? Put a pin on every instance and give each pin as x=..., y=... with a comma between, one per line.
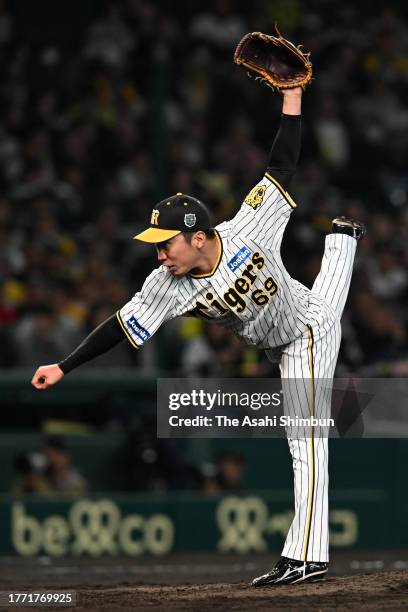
x=217, y=261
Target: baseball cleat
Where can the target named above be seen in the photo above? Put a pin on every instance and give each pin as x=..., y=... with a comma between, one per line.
x=291, y=571
x=351, y=227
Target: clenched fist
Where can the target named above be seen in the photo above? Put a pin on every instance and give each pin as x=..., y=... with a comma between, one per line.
x=46, y=376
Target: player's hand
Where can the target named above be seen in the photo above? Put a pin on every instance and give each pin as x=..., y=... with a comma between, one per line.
x=46, y=376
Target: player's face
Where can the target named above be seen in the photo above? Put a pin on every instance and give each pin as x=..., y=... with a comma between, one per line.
x=178, y=255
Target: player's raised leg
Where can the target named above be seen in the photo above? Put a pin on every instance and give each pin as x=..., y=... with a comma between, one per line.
x=333, y=281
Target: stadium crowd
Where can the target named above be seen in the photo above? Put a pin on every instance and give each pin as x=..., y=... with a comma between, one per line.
x=143, y=100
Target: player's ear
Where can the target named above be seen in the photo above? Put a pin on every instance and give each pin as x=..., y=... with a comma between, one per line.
x=198, y=239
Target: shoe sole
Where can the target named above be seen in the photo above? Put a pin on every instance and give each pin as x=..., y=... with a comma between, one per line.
x=315, y=577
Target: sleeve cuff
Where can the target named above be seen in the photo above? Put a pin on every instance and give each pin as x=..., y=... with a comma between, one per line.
x=128, y=336
x=294, y=118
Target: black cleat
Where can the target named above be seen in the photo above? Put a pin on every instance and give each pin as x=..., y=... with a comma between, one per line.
x=290, y=571
x=351, y=227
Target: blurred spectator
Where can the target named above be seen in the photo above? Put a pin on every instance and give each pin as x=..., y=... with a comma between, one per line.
x=388, y=279
x=226, y=474
x=109, y=39
x=380, y=333
x=215, y=352
x=31, y=479
x=220, y=26
x=207, y=479
x=64, y=479
x=231, y=468
x=39, y=338
x=148, y=463
x=332, y=136
x=49, y=472
x=8, y=317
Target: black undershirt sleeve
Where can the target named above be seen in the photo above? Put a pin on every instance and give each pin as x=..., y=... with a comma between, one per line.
x=104, y=337
x=285, y=150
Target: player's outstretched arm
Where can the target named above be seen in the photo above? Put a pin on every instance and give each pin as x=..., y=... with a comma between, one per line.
x=104, y=337
x=285, y=151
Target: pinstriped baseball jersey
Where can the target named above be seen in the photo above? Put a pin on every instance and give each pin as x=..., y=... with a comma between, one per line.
x=248, y=291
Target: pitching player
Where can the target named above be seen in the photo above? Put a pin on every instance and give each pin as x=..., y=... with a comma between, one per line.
x=234, y=274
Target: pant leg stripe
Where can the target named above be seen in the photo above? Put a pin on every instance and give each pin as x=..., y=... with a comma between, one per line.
x=312, y=474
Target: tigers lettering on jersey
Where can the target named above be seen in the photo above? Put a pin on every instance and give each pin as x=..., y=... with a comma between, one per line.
x=243, y=285
x=137, y=329
x=203, y=311
x=234, y=296
x=255, y=196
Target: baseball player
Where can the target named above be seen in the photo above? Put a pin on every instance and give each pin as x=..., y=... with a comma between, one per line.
x=234, y=274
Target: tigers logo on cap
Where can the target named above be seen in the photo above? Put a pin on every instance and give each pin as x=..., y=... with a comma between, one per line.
x=155, y=217
x=190, y=220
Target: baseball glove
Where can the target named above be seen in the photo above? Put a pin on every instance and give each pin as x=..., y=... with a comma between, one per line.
x=273, y=60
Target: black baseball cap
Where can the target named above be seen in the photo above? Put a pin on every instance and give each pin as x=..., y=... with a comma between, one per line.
x=179, y=213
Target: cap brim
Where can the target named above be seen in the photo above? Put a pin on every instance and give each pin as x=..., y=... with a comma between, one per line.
x=153, y=235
